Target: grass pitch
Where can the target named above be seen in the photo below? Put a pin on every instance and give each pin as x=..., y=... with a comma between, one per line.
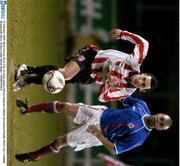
x=33, y=38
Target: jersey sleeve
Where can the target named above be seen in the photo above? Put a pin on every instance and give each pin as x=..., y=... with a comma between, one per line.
x=106, y=94
x=140, y=50
x=132, y=101
x=129, y=101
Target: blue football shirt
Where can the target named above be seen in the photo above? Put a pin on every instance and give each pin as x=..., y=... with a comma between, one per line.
x=125, y=127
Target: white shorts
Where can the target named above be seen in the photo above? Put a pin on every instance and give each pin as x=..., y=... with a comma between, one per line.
x=80, y=138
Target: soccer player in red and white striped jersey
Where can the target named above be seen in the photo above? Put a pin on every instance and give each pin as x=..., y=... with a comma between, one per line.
x=112, y=68
x=118, y=73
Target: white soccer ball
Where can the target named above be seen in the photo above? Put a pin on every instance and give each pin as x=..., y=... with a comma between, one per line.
x=53, y=81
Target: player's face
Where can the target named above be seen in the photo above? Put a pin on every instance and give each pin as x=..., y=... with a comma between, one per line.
x=160, y=121
x=141, y=81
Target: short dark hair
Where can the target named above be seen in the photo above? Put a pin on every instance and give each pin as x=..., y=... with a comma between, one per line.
x=154, y=83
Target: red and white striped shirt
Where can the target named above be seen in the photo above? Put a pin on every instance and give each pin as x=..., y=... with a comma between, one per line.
x=119, y=65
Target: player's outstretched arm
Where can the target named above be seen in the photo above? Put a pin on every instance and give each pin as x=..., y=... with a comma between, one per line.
x=107, y=144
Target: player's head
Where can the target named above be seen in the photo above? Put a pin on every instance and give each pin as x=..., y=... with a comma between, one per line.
x=144, y=82
x=159, y=121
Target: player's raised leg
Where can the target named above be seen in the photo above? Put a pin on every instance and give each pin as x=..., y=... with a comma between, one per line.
x=49, y=107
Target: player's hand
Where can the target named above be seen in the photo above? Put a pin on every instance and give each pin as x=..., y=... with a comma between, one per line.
x=94, y=130
x=115, y=34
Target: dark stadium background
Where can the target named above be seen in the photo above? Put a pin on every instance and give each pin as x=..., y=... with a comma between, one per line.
x=158, y=22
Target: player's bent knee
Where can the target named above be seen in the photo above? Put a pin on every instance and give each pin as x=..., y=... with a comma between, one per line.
x=68, y=106
x=56, y=106
x=54, y=149
x=59, y=143
x=64, y=107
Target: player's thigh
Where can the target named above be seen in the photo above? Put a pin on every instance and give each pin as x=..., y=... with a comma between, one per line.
x=70, y=109
x=71, y=69
x=92, y=110
x=60, y=141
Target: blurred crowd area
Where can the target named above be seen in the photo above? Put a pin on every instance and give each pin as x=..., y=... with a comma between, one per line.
x=88, y=22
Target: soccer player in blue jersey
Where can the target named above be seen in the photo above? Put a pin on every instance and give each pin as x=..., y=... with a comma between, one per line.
x=118, y=130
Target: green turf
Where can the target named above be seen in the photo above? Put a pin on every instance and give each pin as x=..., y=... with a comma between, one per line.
x=33, y=38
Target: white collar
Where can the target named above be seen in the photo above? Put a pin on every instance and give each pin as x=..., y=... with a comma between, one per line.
x=145, y=123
